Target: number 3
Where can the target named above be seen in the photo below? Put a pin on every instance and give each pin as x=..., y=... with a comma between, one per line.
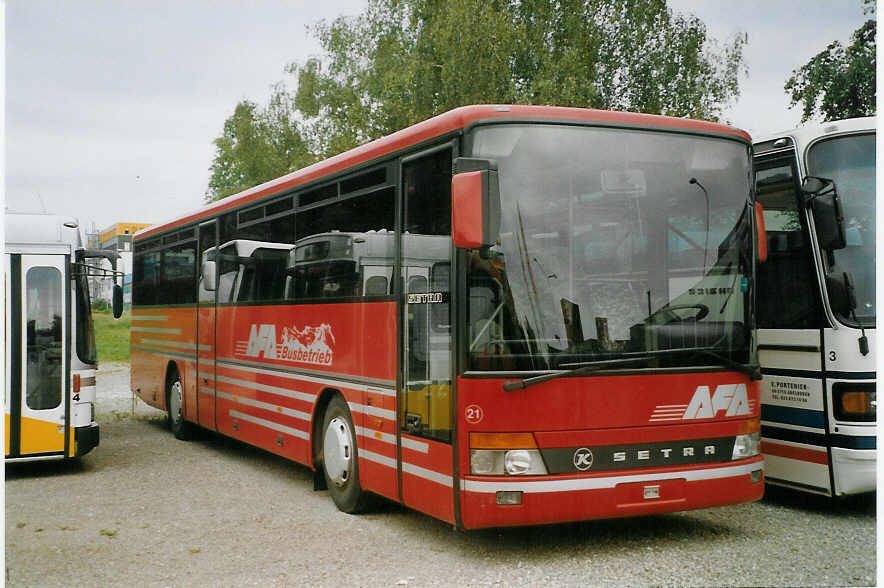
x=832, y=356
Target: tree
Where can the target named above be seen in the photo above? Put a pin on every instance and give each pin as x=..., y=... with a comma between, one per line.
x=403, y=61
x=257, y=144
x=838, y=83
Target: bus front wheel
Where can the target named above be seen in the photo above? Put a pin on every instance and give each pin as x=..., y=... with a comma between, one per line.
x=174, y=403
x=340, y=457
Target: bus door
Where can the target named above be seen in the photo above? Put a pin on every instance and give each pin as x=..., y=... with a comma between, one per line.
x=205, y=339
x=37, y=338
x=426, y=396
x=794, y=431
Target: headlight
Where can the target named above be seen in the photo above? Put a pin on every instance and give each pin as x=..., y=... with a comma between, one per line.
x=511, y=462
x=854, y=402
x=746, y=445
x=511, y=454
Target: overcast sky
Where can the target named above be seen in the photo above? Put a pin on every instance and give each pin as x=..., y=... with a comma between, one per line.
x=112, y=106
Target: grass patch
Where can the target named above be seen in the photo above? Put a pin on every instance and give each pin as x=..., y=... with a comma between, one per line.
x=111, y=336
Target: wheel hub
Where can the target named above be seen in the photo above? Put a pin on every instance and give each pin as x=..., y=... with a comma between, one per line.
x=175, y=401
x=338, y=451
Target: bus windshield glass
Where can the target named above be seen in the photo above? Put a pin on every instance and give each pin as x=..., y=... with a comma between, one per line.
x=614, y=244
x=850, y=162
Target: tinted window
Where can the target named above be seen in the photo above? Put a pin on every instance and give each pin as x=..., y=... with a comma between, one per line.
x=787, y=294
x=178, y=277
x=341, y=246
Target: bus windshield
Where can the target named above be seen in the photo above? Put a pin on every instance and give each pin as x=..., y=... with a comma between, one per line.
x=850, y=162
x=614, y=244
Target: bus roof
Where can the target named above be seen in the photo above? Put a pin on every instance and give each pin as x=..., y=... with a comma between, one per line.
x=440, y=125
x=805, y=134
x=42, y=229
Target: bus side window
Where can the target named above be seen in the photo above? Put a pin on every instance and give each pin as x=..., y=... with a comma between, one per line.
x=376, y=286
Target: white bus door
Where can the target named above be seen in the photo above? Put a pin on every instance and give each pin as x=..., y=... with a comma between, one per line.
x=37, y=366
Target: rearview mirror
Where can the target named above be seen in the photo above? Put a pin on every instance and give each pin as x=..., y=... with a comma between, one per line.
x=117, y=302
x=828, y=217
x=475, y=203
x=208, y=273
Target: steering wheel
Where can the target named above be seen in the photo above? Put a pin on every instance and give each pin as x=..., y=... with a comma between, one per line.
x=672, y=317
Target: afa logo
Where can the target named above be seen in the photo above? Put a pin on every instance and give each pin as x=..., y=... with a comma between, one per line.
x=727, y=400
x=730, y=398
x=312, y=344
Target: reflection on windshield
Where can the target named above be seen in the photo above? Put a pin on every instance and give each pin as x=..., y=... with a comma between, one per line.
x=612, y=242
x=850, y=162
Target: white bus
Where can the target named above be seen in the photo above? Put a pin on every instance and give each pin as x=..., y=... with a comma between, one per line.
x=816, y=307
x=49, y=397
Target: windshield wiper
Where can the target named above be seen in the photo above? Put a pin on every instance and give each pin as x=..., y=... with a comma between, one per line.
x=752, y=370
x=583, y=369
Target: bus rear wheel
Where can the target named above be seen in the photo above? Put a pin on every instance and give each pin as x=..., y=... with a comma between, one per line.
x=174, y=404
x=340, y=457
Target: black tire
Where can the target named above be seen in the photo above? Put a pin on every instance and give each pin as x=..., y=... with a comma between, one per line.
x=341, y=457
x=174, y=403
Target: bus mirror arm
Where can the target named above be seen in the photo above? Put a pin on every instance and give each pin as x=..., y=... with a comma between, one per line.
x=475, y=203
x=111, y=256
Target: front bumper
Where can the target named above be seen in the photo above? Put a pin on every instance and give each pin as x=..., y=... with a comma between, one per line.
x=563, y=499
x=86, y=438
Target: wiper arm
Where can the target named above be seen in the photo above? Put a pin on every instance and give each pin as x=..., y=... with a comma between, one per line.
x=751, y=370
x=583, y=369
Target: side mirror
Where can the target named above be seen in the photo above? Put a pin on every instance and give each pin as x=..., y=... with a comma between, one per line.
x=475, y=203
x=760, y=233
x=208, y=273
x=842, y=295
x=828, y=217
x=117, y=302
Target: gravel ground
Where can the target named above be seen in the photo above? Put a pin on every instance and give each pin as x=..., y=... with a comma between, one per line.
x=144, y=508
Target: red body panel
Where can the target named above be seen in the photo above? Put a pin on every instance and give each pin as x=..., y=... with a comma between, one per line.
x=608, y=411
x=160, y=338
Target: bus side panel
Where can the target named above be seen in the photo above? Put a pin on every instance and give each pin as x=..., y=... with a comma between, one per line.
x=275, y=362
x=160, y=337
x=793, y=411
x=429, y=469
x=376, y=439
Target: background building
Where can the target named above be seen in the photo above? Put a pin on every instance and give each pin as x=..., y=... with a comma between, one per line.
x=116, y=238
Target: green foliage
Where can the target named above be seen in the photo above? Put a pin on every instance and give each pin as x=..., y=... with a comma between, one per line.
x=111, y=336
x=257, y=144
x=838, y=83
x=404, y=61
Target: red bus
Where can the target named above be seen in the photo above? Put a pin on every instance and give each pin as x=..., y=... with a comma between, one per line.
x=574, y=342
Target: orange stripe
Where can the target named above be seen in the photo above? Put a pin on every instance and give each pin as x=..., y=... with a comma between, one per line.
x=799, y=453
